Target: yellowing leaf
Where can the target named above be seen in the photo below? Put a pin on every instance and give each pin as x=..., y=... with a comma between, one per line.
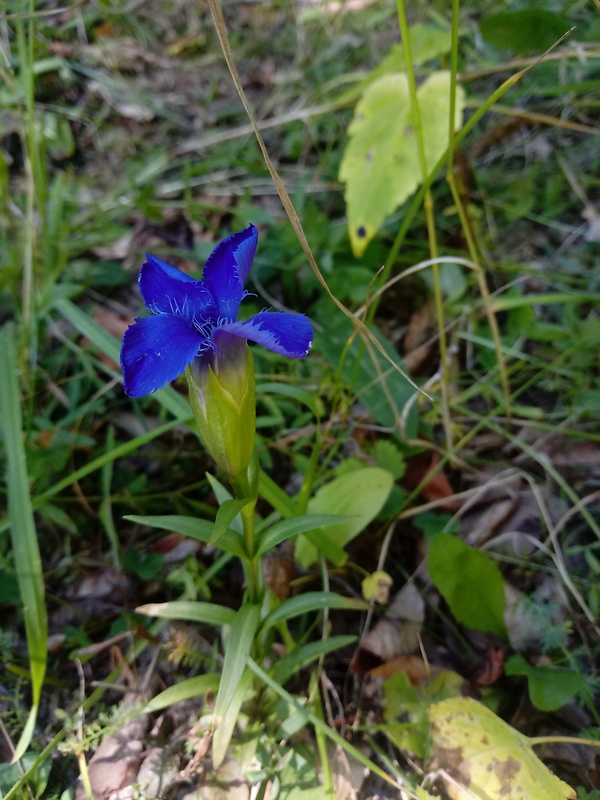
x=377, y=587
x=426, y=42
x=485, y=758
x=381, y=166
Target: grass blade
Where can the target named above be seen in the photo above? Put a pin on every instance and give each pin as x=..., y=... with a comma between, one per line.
x=22, y=528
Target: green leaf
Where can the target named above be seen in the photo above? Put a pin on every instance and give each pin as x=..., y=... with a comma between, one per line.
x=227, y=722
x=470, y=582
x=237, y=649
x=110, y=346
x=10, y=774
x=312, y=601
x=288, y=528
x=549, y=687
x=426, y=42
x=300, y=657
x=211, y=613
x=201, y=529
x=381, y=166
x=22, y=528
x=383, y=391
x=311, y=401
x=192, y=687
x=359, y=495
x=389, y=457
x=228, y=511
x=223, y=494
x=275, y=495
x=530, y=30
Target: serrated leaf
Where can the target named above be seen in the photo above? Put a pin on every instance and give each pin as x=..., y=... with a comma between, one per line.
x=381, y=166
x=358, y=495
x=469, y=582
x=426, y=42
x=486, y=757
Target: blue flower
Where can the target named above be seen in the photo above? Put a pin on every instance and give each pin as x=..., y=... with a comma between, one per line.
x=196, y=319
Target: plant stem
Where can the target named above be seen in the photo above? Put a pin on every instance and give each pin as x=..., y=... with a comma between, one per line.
x=430, y=218
x=246, y=485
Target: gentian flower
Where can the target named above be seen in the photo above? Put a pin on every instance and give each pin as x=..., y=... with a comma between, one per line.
x=190, y=317
x=194, y=328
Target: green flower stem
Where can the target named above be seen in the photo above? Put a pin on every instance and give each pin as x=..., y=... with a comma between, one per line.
x=245, y=485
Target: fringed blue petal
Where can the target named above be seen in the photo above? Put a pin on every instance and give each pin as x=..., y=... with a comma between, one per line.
x=155, y=351
x=168, y=290
x=227, y=268
x=288, y=334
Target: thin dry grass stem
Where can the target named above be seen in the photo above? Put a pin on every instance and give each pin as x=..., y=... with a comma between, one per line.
x=298, y=115
x=583, y=49
x=544, y=119
x=577, y=188
x=554, y=553
x=479, y=491
x=428, y=262
x=575, y=509
x=221, y=29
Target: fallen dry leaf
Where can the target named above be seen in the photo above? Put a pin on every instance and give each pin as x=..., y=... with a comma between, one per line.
x=395, y=634
x=417, y=670
x=116, y=761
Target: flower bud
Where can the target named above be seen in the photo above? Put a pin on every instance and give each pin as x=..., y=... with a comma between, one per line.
x=222, y=396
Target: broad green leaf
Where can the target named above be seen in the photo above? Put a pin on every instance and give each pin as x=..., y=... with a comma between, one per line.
x=192, y=687
x=237, y=649
x=359, y=495
x=10, y=775
x=405, y=707
x=193, y=610
x=200, y=529
x=426, y=42
x=382, y=390
x=469, y=582
x=299, y=657
x=526, y=31
x=549, y=687
x=486, y=757
x=288, y=528
x=381, y=166
x=312, y=601
x=24, y=541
